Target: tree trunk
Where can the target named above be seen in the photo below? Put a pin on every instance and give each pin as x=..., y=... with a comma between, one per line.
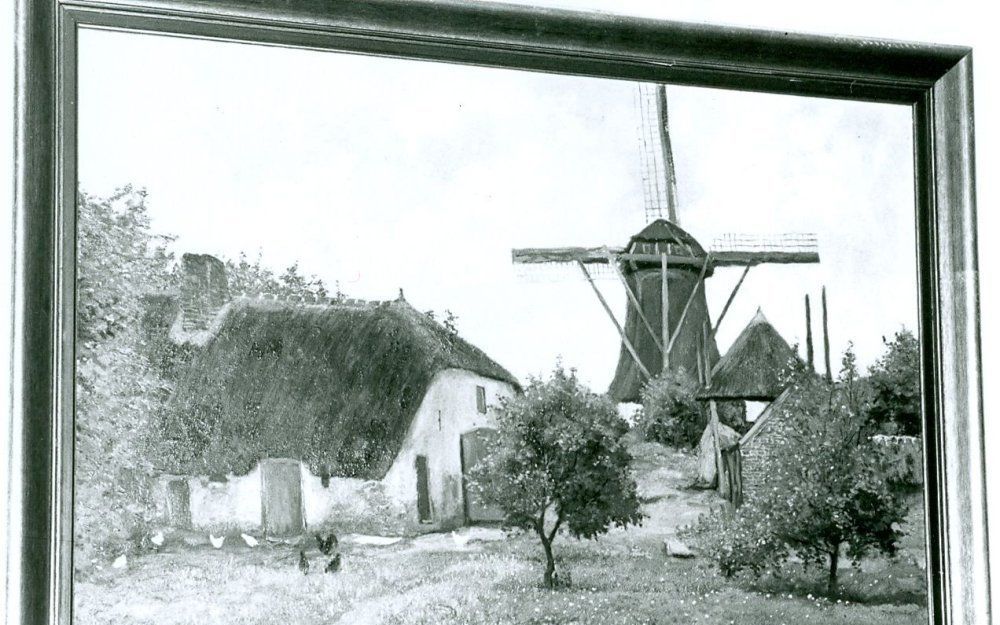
x=831, y=581
x=550, y=563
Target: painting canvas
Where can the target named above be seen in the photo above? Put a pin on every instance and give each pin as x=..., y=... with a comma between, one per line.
x=372, y=340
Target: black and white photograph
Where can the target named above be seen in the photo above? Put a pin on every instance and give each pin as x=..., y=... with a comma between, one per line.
x=485, y=315
x=520, y=348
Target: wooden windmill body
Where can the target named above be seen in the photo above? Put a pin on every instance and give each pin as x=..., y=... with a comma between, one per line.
x=663, y=270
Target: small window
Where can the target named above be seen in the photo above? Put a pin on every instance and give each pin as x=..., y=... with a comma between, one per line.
x=481, y=399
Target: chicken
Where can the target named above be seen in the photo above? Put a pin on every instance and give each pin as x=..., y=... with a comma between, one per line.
x=157, y=539
x=460, y=540
x=216, y=541
x=327, y=545
x=249, y=540
x=120, y=562
x=303, y=563
x=333, y=565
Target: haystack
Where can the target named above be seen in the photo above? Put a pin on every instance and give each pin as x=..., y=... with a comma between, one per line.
x=755, y=367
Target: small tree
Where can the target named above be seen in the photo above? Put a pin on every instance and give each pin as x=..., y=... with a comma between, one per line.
x=895, y=383
x=826, y=491
x=559, y=461
x=670, y=413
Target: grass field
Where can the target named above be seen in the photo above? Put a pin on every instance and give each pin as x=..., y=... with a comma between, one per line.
x=623, y=578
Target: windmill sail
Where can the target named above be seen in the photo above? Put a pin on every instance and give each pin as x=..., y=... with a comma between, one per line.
x=659, y=181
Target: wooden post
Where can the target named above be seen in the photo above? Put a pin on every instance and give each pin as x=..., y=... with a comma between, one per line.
x=680, y=322
x=826, y=340
x=729, y=301
x=664, y=310
x=635, y=301
x=713, y=420
x=809, y=336
x=621, y=332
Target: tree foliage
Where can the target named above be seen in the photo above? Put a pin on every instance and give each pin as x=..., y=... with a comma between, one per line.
x=826, y=493
x=117, y=390
x=559, y=462
x=255, y=278
x=670, y=413
x=895, y=384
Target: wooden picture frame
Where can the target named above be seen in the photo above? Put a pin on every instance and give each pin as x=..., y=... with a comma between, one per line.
x=935, y=81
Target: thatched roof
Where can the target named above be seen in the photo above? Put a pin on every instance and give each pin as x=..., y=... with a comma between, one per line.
x=327, y=383
x=754, y=367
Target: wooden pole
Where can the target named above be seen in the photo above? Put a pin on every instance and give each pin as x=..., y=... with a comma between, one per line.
x=680, y=322
x=664, y=310
x=809, y=336
x=729, y=301
x=611, y=315
x=668, y=154
x=713, y=419
x=826, y=340
x=635, y=302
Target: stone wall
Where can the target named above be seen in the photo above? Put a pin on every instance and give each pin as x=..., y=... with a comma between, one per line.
x=759, y=454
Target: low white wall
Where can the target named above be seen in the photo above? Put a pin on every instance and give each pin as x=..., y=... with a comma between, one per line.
x=348, y=501
x=230, y=505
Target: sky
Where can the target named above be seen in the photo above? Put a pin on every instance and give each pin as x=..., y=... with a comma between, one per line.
x=383, y=174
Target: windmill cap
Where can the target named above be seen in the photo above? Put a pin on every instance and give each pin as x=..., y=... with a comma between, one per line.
x=663, y=231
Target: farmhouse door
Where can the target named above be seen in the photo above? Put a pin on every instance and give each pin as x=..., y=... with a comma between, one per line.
x=179, y=503
x=474, y=448
x=423, y=490
x=281, y=496
x=732, y=459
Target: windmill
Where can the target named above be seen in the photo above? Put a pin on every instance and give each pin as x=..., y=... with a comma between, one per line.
x=663, y=269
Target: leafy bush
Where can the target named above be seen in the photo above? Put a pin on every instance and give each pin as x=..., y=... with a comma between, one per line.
x=117, y=389
x=670, y=413
x=559, y=460
x=827, y=492
x=895, y=384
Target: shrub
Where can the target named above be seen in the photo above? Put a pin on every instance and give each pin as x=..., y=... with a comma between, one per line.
x=670, y=413
x=895, y=386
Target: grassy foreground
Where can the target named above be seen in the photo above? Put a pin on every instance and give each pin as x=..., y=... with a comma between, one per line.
x=623, y=578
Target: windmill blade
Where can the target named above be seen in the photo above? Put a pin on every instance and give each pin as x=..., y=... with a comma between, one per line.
x=546, y=273
x=587, y=255
x=745, y=250
x=659, y=182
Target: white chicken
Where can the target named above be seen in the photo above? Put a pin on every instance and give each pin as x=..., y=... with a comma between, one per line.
x=249, y=540
x=216, y=540
x=120, y=562
x=157, y=539
x=460, y=540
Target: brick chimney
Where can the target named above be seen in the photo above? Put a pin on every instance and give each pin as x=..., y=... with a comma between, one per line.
x=204, y=290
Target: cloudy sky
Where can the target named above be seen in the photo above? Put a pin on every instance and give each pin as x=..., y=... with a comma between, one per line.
x=385, y=174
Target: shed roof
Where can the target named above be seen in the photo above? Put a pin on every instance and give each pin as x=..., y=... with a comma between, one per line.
x=754, y=366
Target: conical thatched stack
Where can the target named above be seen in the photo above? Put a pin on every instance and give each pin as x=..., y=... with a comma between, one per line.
x=755, y=366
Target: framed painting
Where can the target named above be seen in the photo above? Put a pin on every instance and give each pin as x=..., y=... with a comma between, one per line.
x=445, y=312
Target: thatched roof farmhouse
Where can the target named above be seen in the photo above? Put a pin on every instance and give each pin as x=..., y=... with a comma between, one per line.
x=358, y=391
